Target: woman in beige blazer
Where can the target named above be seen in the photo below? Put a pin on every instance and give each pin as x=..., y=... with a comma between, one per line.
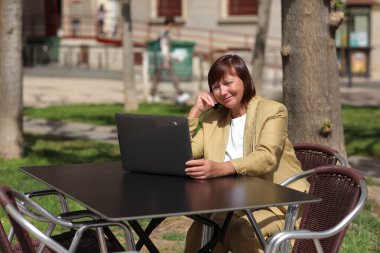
x=241, y=134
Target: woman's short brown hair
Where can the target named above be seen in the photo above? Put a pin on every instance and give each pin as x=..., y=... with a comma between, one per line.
x=234, y=65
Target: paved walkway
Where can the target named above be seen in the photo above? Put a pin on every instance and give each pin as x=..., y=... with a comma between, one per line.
x=44, y=91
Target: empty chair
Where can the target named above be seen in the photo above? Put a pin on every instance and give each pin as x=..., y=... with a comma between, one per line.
x=323, y=225
x=83, y=236
x=315, y=155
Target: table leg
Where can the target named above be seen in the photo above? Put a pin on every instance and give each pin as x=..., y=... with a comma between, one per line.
x=290, y=222
x=209, y=247
x=143, y=236
x=226, y=223
x=111, y=237
x=256, y=228
x=148, y=230
x=206, y=230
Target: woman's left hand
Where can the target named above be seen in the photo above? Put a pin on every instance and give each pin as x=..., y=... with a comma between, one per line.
x=203, y=169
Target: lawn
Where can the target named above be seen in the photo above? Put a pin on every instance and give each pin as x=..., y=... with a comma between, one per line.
x=362, y=128
x=361, y=124
x=100, y=114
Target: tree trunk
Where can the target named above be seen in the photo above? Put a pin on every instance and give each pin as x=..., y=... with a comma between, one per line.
x=11, y=139
x=130, y=95
x=310, y=72
x=260, y=43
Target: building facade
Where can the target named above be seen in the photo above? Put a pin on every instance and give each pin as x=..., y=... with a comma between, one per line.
x=216, y=27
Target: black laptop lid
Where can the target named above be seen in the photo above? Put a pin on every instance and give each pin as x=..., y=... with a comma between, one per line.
x=153, y=143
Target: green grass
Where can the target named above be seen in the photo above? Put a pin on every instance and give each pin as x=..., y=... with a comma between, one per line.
x=174, y=236
x=52, y=150
x=179, y=238
x=49, y=150
x=361, y=124
x=363, y=235
x=99, y=114
x=362, y=130
x=373, y=181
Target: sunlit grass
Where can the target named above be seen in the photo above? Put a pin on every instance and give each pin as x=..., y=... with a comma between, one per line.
x=100, y=114
x=361, y=124
x=50, y=150
x=363, y=235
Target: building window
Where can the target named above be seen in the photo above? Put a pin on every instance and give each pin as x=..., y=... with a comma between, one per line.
x=238, y=12
x=242, y=7
x=169, y=8
x=353, y=41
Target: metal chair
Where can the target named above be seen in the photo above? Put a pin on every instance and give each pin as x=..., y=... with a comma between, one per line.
x=323, y=225
x=315, y=155
x=84, y=236
x=311, y=156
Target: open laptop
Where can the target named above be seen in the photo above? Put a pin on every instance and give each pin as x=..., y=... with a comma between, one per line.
x=153, y=143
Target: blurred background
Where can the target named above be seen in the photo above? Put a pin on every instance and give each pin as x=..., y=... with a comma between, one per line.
x=64, y=34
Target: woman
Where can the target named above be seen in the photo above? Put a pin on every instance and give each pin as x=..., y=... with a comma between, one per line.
x=100, y=15
x=166, y=65
x=244, y=135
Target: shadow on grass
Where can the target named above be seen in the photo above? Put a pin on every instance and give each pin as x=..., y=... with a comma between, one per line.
x=362, y=130
x=100, y=114
x=363, y=142
x=61, y=150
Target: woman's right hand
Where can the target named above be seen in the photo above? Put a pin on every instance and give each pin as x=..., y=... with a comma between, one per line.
x=204, y=101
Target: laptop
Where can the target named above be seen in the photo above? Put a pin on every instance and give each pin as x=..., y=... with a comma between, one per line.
x=153, y=143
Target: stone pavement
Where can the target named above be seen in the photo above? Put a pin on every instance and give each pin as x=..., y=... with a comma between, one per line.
x=40, y=91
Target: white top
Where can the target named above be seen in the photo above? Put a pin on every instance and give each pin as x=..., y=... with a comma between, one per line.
x=235, y=140
x=165, y=42
x=100, y=15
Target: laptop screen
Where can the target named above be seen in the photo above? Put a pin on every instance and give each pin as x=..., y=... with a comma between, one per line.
x=154, y=143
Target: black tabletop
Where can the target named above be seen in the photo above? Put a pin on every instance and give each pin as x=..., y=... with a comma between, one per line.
x=115, y=194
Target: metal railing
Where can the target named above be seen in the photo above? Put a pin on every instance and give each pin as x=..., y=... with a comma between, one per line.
x=209, y=44
x=207, y=41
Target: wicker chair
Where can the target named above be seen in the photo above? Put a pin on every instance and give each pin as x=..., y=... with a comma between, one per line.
x=311, y=156
x=316, y=155
x=324, y=224
x=83, y=236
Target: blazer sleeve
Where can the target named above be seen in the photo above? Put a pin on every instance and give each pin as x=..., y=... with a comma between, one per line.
x=197, y=144
x=271, y=134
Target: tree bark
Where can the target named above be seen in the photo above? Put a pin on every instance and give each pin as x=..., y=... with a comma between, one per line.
x=130, y=95
x=11, y=139
x=260, y=44
x=310, y=73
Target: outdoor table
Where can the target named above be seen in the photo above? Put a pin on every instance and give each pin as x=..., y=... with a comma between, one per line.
x=118, y=195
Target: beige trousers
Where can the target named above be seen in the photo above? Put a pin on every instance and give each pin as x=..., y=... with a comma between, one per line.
x=240, y=236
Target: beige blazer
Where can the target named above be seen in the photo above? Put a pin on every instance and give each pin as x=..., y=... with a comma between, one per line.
x=268, y=153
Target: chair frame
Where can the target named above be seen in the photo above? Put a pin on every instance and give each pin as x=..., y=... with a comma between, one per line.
x=66, y=215
x=290, y=219
x=46, y=192
x=28, y=207
x=282, y=238
x=291, y=216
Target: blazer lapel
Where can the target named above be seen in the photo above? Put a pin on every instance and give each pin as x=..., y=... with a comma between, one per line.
x=225, y=127
x=249, y=132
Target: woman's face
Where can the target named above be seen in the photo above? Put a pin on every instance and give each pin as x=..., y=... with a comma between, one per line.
x=229, y=91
